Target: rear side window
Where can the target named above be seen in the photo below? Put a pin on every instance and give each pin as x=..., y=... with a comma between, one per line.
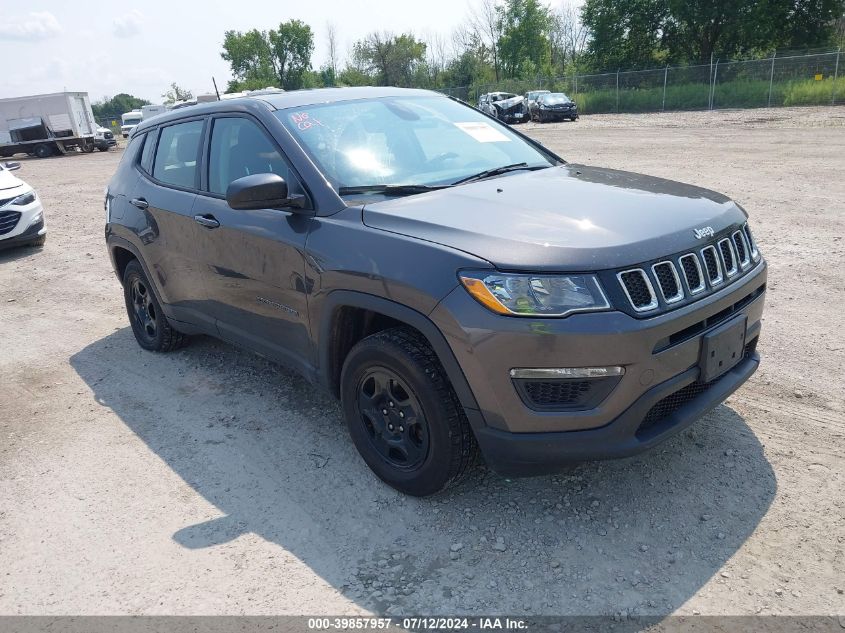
x=177, y=154
x=241, y=148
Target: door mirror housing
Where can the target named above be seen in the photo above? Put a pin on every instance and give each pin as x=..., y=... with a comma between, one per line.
x=12, y=166
x=262, y=191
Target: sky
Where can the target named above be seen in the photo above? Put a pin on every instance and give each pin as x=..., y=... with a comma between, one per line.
x=105, y=48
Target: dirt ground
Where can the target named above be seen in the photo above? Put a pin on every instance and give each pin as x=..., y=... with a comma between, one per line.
x=209, y=481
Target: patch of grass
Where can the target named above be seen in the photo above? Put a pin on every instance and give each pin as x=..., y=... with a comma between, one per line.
x=696, y=96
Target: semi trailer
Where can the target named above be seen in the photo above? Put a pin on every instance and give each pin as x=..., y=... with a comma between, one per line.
x=48, y=124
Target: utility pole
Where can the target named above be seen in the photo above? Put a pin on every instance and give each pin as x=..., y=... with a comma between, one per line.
x=665, y=77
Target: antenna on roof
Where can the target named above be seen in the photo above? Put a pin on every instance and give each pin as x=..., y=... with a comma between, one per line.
x=215, y=87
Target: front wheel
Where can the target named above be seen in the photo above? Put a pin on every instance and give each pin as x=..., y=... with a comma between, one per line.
x=150, y=326
x=43, y=150
x=403, y=414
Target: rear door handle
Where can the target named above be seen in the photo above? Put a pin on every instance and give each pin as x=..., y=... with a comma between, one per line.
x=207, y=220
x=139, y=202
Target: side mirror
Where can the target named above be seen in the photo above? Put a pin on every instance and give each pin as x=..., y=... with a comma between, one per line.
x=262, y=191
x=12, y=166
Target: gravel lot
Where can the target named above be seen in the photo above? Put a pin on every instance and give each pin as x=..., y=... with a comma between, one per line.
x=210, y=481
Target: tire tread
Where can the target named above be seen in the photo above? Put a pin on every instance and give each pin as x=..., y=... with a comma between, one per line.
x=418, y=350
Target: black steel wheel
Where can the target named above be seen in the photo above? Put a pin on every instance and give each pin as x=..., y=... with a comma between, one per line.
x=149, y=324
x=393, y=418
x=403, y=414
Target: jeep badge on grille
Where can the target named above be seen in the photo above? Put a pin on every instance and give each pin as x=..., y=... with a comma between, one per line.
x=706, y=231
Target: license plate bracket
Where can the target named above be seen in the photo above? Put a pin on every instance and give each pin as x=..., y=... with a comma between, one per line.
x=722, y=349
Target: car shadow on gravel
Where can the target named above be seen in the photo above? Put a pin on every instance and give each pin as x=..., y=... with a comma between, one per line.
x=638, y=536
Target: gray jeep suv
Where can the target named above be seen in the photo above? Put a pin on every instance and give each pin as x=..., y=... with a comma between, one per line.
x=457, y=285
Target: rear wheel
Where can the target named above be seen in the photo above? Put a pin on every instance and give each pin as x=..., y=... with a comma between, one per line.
x=87, y=147
x=403, y=414
x=149, y=324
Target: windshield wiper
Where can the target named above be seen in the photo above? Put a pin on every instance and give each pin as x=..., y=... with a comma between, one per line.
x=390, y=190
x=497, y=171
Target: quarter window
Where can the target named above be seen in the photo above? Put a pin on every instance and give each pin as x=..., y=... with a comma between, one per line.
x=177, y=153
x=147, y=152
x=240, y=148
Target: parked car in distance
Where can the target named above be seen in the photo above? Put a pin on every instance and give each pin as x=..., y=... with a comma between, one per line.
x=554, y=106
x=505, y=106
x=21, y=213
x=455, y=284
x=531, y=99
x=104, y=139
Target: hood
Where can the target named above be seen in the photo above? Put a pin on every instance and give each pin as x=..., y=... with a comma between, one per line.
x=507, y=104
x=9, y=181
x=564, y=218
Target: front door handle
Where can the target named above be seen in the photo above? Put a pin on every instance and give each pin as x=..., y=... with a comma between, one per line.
x=207, y=220
x=139, y=202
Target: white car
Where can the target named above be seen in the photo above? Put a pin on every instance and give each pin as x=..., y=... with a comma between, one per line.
x=21, y=213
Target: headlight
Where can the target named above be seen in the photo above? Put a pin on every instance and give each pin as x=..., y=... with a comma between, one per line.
x=25, y=199
x=535, y=295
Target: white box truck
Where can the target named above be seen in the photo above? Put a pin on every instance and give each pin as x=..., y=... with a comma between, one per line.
x=44, y=125
x=130, y=120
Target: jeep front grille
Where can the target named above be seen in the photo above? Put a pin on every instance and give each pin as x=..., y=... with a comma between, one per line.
x=728, y=260
x=693, y=273
x=711, y=262
x=741, y=249
x=668, y=281
x=677, y=279
x=638, y=289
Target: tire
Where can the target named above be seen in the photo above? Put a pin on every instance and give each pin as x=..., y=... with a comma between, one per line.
x=103, y=149
x=149, y=324
x=424, y=442
x=43, y=150
x=87, y=147
x=39, y=241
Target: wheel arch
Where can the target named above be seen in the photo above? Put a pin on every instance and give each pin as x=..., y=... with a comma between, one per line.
x=348, y=316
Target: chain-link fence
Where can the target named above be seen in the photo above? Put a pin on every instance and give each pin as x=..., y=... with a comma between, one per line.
x=795, y=80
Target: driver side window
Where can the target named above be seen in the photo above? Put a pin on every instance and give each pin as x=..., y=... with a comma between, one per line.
x=241, y=148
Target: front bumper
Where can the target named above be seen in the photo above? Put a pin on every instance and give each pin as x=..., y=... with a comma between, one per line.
x=29, y=225
x=558, y=115
x=28, y=236
x=517, y=439
x=523, y=454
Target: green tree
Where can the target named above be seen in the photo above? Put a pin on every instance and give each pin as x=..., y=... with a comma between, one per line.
x=251, y=59
x=624, y=33
x=292, y=45
x=524, y=46
x=259, y=59
x=115, y=106
x=392, y=59
x=645, y=33
x=177, y=93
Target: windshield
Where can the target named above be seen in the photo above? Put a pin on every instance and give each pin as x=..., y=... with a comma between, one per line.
x=131, y=121
x=405, y=140
x=556, y=98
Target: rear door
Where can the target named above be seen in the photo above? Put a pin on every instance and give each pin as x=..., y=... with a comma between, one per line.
x=166, y=193
x=254, y=260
